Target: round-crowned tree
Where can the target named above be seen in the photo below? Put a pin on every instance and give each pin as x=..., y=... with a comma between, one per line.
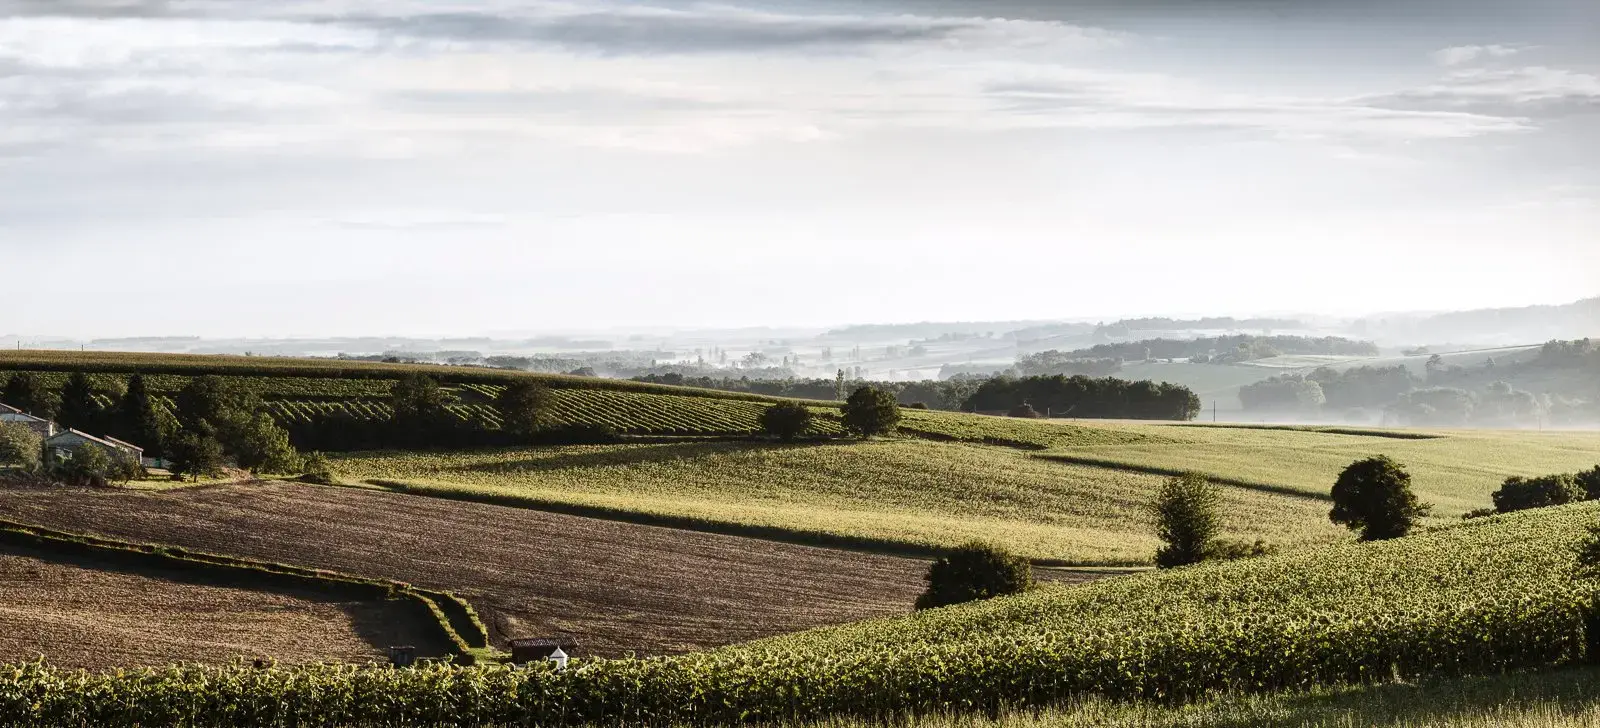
x=524, y=408
x=1374, y=497
x=786, y=421
x=1519, y=494
x=1188, y=520
x=975, y=571
x=1589, y=480
x=870, y=411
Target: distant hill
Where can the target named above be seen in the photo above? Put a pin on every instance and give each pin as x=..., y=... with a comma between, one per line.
x=1489, y=326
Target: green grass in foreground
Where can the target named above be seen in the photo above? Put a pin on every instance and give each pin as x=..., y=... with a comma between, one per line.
x=907, y=492
x=1553, y=699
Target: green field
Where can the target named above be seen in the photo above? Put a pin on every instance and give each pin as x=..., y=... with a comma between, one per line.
x=889, y=492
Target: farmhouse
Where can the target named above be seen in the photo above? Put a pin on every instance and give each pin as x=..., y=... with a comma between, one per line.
x=40, y=425
x=61, y=445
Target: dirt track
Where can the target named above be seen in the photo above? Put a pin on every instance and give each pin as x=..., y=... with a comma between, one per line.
x=615, y=587
x=79, y=612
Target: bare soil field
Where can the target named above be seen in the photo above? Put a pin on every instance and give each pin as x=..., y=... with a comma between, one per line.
x=80, y=612
x=614, y=587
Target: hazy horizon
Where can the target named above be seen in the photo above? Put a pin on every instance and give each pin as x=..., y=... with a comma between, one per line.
x=354, y=167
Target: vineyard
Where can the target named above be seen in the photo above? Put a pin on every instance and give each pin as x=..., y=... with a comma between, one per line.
x=1482, y=597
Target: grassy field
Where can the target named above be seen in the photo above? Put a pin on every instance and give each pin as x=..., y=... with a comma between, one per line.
x=897, y=492
x=1548, y=699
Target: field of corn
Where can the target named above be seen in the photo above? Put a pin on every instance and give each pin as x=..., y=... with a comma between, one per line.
x=912, y=493
x=1482, y=597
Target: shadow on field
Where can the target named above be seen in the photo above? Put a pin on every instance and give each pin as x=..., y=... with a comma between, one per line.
x=638, y=454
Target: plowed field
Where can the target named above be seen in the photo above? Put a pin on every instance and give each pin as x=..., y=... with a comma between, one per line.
x=80, y=612
x=614, y=587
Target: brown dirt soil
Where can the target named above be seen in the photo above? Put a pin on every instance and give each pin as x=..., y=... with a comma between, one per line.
x=614, y=587
x=80, y=612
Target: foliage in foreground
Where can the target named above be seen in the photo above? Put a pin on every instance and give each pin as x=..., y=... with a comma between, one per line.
x=1484, y=596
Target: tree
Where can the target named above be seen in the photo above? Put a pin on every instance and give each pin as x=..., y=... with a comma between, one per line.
x=79, y=409
x=786, y=420
x=524, y=408
x=317, y=469
x=1188, y=519
x=1374, y=496
x=417, y=398
x=26, y=391
x=974, y=571
x=196, y=453
x=214, y=401
x=89, y=465
x=20, y=447
x=261, y=446
x=870, y=411
x=1518, y=493
x=139, y=421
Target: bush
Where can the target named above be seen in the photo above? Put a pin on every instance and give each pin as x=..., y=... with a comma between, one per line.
x=916, y=405
x=579, y=434
x=786, y=420
x=1478, y=513
x=1024, y=410
x=1374, y=496
x=870, y=411
x=1589, y=480
x=19, y=446
x=975, y=571
x=89, y=465
x=318, y=469
x=1187, y=517
x=1518, y=493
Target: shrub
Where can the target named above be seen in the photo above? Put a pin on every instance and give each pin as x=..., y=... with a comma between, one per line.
x=87, y=465
x=786, y=420
x=318, y=469
x=1478, y=513
x=1187, y=517
x=870, y=411
x=1589, y=480
x=1374, y=496
x=916, y=405
x=585, y=433
x=19, y=446
x=1024, y=410
x=1520, y=493
x=975, y=571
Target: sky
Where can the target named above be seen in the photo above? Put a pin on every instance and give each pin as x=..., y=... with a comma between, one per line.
x=462, y=167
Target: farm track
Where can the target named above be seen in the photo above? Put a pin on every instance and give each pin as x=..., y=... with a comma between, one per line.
x=82, y=612
x=614, y=587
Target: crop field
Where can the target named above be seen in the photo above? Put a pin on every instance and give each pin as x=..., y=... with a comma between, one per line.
x=884, y=492
x=615, y=587
x=80, y=612
x=1484, y=597
x=1457, y=470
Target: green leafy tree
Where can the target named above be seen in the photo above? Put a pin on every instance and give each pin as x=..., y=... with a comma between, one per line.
x=89, y=465
x=20, y=447
x=262, y=446
x=26, y=391
x=1188, y=518
x=786, y=421
x=870, y=411
x=79, y=409
x=138, y=420
x=1374, y=496
x=1518, y=493
x=218, y=402
x=975, y=571
x=196, y=453
x=524, y=408
x=417, y=400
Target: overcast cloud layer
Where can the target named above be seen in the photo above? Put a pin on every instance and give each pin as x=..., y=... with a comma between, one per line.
x=359, y=166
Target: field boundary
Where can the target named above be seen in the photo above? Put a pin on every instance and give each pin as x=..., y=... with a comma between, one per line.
x=456, y=621
x=1175, y=472
x=778, y=534
x=1318, y=430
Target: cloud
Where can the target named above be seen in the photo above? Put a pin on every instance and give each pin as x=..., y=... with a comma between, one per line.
x=1459, y=55
x=1531, y=90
